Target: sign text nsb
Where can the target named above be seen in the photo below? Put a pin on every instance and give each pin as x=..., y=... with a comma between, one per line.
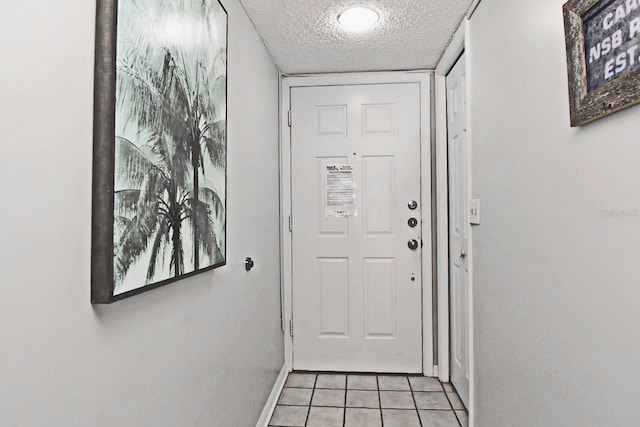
x=612, y=40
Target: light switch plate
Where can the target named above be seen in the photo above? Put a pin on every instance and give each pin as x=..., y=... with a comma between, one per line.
x=474, y=212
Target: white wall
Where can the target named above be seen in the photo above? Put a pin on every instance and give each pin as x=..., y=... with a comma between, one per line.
x=557, y=298
x=201, y=352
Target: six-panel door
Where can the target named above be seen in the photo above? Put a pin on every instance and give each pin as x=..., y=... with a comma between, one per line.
x=356, y=282
x=458, y=229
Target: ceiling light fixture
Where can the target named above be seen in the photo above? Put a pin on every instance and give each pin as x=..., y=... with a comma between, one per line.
x=358, y=19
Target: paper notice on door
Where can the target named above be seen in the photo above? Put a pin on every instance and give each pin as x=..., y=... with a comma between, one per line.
x=340, y=191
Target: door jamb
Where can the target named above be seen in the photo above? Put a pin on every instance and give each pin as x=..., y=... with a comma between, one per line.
x=291, y=81
x=458, y=45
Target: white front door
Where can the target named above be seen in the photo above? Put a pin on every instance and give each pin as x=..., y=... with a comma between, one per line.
x=356, y=283
x=458, y=229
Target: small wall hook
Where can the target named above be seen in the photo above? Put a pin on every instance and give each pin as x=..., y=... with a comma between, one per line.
x=248, y=264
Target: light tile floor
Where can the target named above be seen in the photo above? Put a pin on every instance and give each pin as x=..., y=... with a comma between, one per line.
x=359, y=400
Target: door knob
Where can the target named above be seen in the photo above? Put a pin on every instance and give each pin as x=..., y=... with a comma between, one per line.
x=412, y=204
x=413, y=244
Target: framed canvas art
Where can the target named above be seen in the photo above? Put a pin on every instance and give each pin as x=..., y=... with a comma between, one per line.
x=160, y=144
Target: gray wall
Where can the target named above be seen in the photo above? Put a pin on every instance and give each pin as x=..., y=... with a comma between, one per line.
x=201, y=352
x=557, y=304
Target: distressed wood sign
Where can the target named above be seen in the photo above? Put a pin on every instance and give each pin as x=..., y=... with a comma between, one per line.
x=603, y=57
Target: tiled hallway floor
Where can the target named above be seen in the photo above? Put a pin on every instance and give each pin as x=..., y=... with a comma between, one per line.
x=358, y=400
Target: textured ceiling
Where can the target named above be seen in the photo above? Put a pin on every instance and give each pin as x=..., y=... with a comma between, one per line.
x=304, y=35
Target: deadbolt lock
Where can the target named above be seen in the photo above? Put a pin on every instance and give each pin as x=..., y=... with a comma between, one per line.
x=412, y=222
x=413, y=205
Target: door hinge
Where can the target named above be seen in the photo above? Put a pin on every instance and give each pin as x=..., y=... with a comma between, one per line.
x=291, y=328
x=289, y=117
x=290, y=224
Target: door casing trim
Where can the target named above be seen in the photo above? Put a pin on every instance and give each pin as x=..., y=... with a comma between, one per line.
x=288, y=82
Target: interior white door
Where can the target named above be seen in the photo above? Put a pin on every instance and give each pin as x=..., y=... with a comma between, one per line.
x=458, y=229
x=356, y=283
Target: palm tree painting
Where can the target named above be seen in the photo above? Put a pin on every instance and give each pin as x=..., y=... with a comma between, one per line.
x=170, y=141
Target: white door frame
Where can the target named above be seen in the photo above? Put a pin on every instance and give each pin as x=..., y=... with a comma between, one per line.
x=459, y=44
x=421, y=77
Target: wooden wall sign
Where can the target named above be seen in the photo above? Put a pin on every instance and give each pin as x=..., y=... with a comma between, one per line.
x=603, y=57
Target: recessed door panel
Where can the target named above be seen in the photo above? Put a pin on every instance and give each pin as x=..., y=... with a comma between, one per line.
x=333, y=307
x=379, y=195
x=332, y=120
x=380, y=298
x=378, y=119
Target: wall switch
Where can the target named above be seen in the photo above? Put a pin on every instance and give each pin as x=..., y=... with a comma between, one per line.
x=474, y=212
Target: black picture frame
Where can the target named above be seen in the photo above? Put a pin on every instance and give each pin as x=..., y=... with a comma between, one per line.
x=589, y=105
x=200, y=208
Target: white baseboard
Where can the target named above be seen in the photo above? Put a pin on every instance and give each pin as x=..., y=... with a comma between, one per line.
x=270, y=406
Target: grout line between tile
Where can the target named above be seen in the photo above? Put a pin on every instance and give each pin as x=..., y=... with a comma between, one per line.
x=306, y=421
x=344, y=412
x=451, y=404
x=457, y=417
x=414, y=402
x=379, y=401
x=449, y=400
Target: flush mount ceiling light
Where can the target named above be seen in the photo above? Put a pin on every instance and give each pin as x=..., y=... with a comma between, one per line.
x=358, y=19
